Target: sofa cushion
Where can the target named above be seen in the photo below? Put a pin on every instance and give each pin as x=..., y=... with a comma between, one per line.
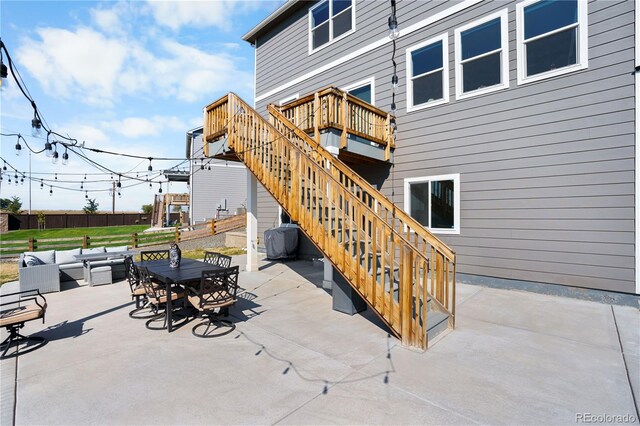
x=93, y=250
x=117, y=248
x=32, y=260
x=67, y=266
x=47, y=257
x=67, y=256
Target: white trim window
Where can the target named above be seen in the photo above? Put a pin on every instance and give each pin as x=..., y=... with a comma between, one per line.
x=364, y=90
x=434, y=201
x=428, y=73
x=551, y=38
x=482, y=56
x=329, y=21
x=289, y=99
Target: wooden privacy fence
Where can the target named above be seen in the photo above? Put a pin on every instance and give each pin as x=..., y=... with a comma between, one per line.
x=64, y=220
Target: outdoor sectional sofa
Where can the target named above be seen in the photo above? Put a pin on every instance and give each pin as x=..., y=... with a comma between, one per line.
x=61, y=265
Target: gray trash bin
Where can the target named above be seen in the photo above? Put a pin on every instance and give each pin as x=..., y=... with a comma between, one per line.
x=282, y=242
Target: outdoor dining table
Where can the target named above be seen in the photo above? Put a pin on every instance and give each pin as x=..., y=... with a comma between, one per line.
x=189, y=271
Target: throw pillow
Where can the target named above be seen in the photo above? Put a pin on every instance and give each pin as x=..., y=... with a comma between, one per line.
x=47, y=257
x=117, y=248
x=67, y=256
x=32, y=260
x=93, y=250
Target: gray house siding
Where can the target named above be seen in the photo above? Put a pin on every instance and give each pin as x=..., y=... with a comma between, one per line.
x=208, y=187
x=546, y=168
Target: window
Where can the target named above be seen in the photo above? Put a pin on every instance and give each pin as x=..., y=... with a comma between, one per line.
x=434, y=202
x=363, y=90
x=330, y=20
x=428, y=73
x=552, y=38
x=482, y=59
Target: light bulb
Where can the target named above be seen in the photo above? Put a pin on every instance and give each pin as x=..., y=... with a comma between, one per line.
x=394, y=33
x=394, y=81
x=54, y=158
x=65, y=158
x=18, y=148
x=36, y=127
x=119, y=194
x=48, y=149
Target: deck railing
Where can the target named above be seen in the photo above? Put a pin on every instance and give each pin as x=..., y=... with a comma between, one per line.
x=333, y=108
x=393, y=262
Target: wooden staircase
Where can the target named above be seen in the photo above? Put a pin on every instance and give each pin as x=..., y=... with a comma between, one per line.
x=404, y=272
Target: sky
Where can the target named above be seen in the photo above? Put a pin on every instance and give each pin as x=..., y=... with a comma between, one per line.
x=125, y=76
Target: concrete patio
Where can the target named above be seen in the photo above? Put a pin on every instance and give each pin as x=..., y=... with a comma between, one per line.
x=515, y=357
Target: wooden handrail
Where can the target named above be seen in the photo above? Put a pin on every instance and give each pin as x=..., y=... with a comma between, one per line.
x=341, y=111
x=396, y=265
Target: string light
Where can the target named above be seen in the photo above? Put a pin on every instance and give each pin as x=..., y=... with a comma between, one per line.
x=394, y=33
x=160, y=188
x=54, y=157
x=18, y=148
x=86, y=195
x=48, y=149
x=150, y=168
x=41, y=184
x=65, y=157
x=50, y=191
x=36, y=125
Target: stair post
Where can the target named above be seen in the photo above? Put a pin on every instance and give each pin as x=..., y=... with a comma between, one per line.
x=405, y=295
x=317, y=114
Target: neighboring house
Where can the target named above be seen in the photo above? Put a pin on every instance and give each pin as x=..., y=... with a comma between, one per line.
x=517, y=125
x=216, y=188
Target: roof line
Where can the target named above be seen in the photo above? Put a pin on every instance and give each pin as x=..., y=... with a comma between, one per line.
x=251, y=35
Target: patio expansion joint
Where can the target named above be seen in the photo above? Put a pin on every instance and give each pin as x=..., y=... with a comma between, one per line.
x=624, y=362
x=555, y=336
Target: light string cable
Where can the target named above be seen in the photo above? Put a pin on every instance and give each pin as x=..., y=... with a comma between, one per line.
x=394, y=33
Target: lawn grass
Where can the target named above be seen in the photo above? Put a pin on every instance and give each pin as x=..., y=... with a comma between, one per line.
x=8, y=272
x=72, y=232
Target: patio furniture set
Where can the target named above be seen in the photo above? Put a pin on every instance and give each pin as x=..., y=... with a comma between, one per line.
x=162, y=293
x=45, y=270
x=195, y=288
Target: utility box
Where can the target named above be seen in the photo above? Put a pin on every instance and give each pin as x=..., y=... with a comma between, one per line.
x=281, y=242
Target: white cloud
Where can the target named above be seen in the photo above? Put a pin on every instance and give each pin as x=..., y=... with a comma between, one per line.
x=81, y=63
x=98, y=70
x=135, y=127
x=201, y=13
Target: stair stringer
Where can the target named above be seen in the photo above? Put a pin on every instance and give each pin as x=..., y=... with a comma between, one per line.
x=397, y=266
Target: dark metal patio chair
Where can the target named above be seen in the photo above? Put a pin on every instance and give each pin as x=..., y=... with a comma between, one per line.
x=149, y=255
x=217, y=259
x=157, y=297
x=15, y=310
x=137, y=291
x=213, y=297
